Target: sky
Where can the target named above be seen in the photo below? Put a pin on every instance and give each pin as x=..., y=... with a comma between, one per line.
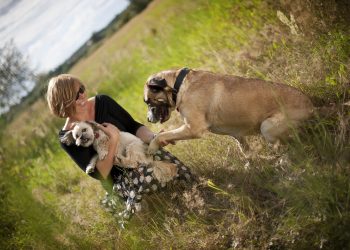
x=48, y=32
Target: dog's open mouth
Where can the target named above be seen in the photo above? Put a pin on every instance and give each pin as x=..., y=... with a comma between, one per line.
x=163, y=114
x=85, y=141
x=159, y=113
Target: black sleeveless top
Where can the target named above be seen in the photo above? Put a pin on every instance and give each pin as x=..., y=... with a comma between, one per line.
x=106, y=110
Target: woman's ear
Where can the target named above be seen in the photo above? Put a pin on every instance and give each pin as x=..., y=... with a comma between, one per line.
x=67, y=138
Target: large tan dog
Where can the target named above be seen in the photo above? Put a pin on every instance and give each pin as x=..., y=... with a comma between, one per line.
x=223, y=104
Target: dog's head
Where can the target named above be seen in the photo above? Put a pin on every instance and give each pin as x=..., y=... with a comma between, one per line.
x=158, y=97
x=82, y=134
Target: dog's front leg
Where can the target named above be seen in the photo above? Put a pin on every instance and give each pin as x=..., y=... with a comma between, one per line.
x=92, y=164
x=184, y=132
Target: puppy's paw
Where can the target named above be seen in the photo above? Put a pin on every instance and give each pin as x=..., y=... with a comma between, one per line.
x=92, y=164
x=102, y=155
x=153, y=147
x=90, y=169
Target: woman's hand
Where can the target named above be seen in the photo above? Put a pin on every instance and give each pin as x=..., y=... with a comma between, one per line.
x=164, y=143
x=111, y=131
x=104, y=166
x=146, y=135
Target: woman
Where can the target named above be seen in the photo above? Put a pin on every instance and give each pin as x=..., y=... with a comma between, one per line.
x=67, y=98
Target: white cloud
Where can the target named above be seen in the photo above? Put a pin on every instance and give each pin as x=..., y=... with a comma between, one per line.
x=49, y=31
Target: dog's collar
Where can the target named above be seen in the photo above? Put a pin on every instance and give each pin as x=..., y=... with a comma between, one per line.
x=179, y=80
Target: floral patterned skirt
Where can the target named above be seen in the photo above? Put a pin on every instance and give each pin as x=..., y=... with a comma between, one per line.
x=134, y=183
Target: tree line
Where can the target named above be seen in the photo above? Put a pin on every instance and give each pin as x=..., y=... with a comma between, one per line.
x=17, y=78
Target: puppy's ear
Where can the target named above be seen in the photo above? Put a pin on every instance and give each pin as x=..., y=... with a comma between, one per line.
x=93, y=124
x=157, y=84
x=67, y=138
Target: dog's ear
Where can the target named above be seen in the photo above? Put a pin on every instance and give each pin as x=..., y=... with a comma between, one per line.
x=93, y=124
x=67, y=138
x=157, y=84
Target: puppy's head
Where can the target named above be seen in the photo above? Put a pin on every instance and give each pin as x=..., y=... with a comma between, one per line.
x=82, y=134
x=158, y=97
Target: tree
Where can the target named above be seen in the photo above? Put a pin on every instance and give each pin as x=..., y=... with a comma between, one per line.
x=15, y=75
x=139, y=5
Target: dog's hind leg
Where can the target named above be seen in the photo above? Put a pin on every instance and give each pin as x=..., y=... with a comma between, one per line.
x=280, y=125
x=134, y=155
x=164, y=171
x=275, y=127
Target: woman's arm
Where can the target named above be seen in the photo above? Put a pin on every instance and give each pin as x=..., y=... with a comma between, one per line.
x=145, y=134
x=104, y=166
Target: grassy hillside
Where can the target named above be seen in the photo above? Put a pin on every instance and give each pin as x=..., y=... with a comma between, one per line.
x=294, y=198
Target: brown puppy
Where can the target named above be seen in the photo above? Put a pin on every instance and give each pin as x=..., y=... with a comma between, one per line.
x=223, y=104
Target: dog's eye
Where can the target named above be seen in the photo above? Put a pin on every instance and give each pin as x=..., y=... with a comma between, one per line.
x=155, y=89
x=83, y=130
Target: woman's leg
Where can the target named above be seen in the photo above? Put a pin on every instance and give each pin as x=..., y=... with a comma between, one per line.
x=132, y=184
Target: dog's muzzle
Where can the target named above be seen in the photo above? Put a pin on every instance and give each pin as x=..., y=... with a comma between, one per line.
x=150, y=115
x=158, y=113
x=84, y=141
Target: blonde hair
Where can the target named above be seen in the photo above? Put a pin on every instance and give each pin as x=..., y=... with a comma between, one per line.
x=61, y=94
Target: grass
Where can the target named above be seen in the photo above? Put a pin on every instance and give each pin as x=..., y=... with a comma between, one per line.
x=296, y=198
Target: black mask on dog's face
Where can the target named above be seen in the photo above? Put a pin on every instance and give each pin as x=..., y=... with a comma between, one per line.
x=157, y=101
x=157, y=84
x=158, y=112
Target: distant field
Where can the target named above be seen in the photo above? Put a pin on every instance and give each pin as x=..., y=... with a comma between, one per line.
x=295, y=198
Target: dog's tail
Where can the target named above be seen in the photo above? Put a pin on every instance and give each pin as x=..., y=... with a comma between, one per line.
x=332, y=111
x=330, y=120
x=332, y=105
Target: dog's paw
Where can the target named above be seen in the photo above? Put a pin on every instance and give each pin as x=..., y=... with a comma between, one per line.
x=152, y=148
x=90, y=169
x=102, y=155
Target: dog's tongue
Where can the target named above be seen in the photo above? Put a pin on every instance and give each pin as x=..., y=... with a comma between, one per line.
x=97, y=135
x=163, y=114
